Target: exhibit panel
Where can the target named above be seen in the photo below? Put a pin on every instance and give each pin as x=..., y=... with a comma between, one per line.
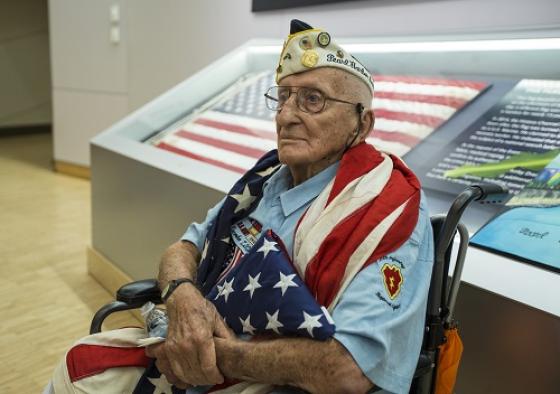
x=459, y=110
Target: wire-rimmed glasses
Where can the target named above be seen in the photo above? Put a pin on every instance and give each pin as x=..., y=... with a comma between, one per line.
x=309, y=100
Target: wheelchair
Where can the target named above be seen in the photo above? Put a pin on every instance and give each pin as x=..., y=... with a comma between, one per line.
x=442, y=295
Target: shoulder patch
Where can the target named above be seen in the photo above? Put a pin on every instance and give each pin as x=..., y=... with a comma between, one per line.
x=393, y=279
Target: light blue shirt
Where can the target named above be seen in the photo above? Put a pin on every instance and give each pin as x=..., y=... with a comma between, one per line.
x=382, y=334
x=279, y=209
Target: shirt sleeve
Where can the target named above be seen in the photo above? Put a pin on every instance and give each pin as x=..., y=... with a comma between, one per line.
x=196, y=232
x=380, y=317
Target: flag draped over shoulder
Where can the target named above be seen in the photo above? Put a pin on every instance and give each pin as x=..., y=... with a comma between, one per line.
x=368, y=211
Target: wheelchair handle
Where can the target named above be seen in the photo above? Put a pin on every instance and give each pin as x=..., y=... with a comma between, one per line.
x=481, y=192
x=489, y=188
x=449, y=228
x=130, y=296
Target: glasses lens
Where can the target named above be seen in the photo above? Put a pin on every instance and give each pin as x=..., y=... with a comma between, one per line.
x=283, y=94
x=271, y=99
x=276, y=97
x=310, y=100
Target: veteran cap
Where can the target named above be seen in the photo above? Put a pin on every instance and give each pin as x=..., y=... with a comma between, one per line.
x=307, y=48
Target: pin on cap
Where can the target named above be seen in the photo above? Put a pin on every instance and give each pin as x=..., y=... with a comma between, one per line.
x=309, y=58
x=324, y=39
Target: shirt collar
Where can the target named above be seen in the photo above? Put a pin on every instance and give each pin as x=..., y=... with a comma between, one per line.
x=296, y=197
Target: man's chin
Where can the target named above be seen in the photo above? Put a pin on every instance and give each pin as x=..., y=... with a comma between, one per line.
x=291, y=158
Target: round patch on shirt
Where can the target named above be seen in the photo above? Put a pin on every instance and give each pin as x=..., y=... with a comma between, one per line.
x=393, y=279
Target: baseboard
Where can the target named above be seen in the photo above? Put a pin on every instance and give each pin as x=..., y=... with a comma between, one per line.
x=17, y=130
x=107, y=274
x=72, y=169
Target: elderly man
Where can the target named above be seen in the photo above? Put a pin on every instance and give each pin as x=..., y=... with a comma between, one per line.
x=340, y=229
x=367, y=259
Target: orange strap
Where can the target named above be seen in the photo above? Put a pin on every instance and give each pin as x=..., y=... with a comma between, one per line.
x=449, y=358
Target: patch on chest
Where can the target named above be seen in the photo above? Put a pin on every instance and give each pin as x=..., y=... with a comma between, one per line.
x=245, y=234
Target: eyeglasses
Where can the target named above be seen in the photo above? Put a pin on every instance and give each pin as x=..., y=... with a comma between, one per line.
x=308, y=100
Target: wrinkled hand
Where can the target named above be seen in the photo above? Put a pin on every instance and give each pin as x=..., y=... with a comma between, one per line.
x=157, y=351
x=222, y=331
x=189, y=347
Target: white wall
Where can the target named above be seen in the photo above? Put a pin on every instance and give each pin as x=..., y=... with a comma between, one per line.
x=24, y=63
x=89, y=74
x=171, y=39
x=166, y=41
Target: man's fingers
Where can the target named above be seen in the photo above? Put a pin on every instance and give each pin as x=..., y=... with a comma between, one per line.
x=221, y=330
x=177, y=369
x=194, y=361
x=165, y=368
x=207, y=359
x=189, y=346
x=181, y=385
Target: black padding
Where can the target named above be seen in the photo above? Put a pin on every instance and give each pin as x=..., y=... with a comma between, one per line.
x=424, y=365
x=140, y=292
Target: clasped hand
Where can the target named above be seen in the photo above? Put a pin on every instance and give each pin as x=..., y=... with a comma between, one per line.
x=188, y=356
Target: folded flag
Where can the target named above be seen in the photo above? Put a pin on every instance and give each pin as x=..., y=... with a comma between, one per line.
x=264, y=294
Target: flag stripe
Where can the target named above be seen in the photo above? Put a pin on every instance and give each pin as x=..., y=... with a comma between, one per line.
x=432, y=90
x=236, y=128
x=428, y=81
x=440, y=111
x=266, y=126
x=231, y=136
x=449, y=101
x=237, y=254
x=256, y=153
x=214, y=153
x=411, y=128
x=395, y=148
x=395, y=136
x=87, y=360
x=426, y=120
x=174, y=149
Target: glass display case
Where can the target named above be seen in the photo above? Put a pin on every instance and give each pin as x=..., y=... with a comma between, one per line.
x=458, y=109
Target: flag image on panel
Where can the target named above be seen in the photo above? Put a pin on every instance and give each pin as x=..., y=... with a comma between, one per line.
x=236, y=128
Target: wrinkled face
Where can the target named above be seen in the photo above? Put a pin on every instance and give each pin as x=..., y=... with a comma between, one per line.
x=305, y=138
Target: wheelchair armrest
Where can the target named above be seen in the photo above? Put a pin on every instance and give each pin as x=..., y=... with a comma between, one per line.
x=130, y=296
x=138, y=293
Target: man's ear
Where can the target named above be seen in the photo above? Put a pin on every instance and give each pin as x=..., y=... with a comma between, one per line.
x=368, y=121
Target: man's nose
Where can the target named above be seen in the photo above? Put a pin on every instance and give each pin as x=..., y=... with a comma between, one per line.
x=288, y=113
x=292, y=100
x=289, y=107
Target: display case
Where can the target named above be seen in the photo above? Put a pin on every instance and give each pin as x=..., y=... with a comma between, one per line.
x=162, y=167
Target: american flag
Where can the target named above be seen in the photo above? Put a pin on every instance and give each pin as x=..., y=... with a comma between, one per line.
x=266, y=295
x=263, y=295
x=237, y=129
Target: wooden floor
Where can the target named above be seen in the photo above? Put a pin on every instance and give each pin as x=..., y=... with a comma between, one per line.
x=46, y=297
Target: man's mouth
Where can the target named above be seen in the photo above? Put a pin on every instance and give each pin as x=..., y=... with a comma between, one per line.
x=289, y=139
